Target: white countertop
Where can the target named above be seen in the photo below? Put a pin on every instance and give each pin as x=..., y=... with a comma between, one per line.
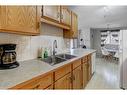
x=33, y=68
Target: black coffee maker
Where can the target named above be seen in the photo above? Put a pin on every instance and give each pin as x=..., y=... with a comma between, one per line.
x=8, y=56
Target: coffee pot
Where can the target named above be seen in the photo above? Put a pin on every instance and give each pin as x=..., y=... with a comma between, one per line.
x=8, y=56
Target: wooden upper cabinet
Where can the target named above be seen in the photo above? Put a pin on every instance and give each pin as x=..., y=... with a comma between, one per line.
x=74, y=25
x=65, y=15
x=21, y=19
x=73, y=32
x=51, y=12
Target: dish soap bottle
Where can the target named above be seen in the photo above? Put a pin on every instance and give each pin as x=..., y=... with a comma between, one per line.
x=45, y=53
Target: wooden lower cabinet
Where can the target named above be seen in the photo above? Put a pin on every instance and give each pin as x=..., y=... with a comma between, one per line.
x=72, y=76
x=64, y=82
x=77, y=78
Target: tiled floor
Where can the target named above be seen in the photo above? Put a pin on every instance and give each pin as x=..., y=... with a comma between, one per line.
x=105, y=76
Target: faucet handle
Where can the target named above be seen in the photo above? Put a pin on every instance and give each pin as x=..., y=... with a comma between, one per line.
x=54, y=52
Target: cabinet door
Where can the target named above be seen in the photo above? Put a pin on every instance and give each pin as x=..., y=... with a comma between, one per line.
x=21, y=19
x=65, y=15
x=77, y=78
x=73, y=32
x=2, y=17
x=85, y=74
x=64, y=82
x=89, y=67
x=52, y=12
x=74, y=25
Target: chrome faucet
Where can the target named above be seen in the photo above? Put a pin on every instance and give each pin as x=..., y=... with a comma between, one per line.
x=54, y=46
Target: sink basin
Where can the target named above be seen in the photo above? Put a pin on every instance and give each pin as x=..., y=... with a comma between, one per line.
x=66, y=56
x=52, y=60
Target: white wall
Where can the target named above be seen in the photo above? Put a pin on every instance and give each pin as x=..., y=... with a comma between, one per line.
x=27, y=46
x=97, y=41
x=85, y=35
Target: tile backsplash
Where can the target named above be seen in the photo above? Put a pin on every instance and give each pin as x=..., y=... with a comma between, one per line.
x=28, y=46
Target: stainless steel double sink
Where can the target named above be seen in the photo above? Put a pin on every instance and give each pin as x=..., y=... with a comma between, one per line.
x=52, y=60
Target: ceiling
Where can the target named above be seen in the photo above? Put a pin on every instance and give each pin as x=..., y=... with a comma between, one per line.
x=101, y=16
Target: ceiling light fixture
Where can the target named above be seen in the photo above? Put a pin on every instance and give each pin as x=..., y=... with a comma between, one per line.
x=106, y=16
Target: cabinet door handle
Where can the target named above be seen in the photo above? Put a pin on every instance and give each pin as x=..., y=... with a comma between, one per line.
x=58, y=15
x=36, y=87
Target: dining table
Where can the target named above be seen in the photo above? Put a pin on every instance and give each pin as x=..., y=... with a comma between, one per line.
x=112, y=48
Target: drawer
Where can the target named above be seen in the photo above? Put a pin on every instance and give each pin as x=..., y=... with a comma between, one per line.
x=33, y=85
x=76, y=63
x=40, y=82
x=62, y=71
